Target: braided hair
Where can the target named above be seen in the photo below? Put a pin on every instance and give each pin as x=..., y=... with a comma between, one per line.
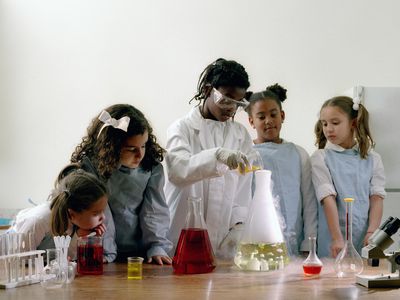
x=222, y=72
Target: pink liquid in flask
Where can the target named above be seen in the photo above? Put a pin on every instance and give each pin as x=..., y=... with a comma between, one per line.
x=193, y=253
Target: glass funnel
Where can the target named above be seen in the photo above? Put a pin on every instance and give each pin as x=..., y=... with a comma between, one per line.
x=312, y=266
x=194, y=254
x=348, y=262
x=262, y=247
x=53, y=276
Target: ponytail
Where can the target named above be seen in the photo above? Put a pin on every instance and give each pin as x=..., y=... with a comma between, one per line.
x=75, y=189
x=320, y=137
x=59, y=214
x=362, y=132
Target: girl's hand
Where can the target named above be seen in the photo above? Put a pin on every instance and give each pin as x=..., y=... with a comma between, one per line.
x=83, y=232
x=159, y=260
x=336, y=247
x=100, y=229
x=366, y=238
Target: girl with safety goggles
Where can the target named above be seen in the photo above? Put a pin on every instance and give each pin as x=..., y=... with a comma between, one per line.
x=204, y=149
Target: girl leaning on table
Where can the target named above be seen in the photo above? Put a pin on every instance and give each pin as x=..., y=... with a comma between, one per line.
x=77, y=207
x=121, y=149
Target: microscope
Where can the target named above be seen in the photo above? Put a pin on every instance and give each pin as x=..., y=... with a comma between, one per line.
x=377, y=243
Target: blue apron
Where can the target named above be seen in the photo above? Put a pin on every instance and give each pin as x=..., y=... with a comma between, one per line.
x=283, y=160
x=351, y=177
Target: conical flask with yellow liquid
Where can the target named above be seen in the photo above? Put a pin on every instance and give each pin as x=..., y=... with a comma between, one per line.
x=262, y=246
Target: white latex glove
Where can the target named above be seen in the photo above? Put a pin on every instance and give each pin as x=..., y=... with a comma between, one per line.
x=231, y=240
x=232, y=158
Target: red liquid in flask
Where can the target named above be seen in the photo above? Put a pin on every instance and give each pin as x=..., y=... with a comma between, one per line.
x=312, y=270
x=90, y=259
x=193, y=254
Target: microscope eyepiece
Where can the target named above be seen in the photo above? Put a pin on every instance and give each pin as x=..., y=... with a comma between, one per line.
x=388, y=220
x=392, y=227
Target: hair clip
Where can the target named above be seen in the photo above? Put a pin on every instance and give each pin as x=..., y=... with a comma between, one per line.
x=358, y=93
x=356, y=103
x=106, y=118
x=67, y=192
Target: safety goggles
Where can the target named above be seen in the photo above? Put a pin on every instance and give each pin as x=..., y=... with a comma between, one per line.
x=223, y=101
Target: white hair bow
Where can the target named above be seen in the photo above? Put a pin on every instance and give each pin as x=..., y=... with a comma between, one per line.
x=122, y=123
x=358, y=93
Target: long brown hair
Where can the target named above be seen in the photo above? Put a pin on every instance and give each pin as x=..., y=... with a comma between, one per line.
x=362, y=132
x=74, y=189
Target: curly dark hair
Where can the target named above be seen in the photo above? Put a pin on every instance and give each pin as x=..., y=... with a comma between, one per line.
x=222, y=72
x=104, y=150
x=274, y=92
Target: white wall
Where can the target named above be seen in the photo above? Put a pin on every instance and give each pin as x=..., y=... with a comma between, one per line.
x=61, y=62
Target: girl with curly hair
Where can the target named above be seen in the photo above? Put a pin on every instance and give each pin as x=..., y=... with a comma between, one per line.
x=120, y=148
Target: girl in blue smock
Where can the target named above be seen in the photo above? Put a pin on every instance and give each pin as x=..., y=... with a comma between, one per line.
x=346, y=166
x=121, y=149
x=290, y=166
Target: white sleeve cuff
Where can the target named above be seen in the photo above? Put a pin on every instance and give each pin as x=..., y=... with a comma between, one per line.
x=324, y=190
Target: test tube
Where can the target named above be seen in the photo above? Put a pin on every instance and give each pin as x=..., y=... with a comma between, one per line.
x=36, y=266
x=8, y=270
x=30, y=267
x=23, y=269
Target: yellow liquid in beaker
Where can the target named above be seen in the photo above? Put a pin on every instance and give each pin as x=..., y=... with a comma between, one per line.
x=134, y=270
x=248, y=169
x=262, y=257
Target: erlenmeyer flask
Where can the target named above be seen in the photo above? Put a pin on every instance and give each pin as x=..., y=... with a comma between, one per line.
x=262, y=247
x=348, y=262
x=194, y=254
x=312, y=265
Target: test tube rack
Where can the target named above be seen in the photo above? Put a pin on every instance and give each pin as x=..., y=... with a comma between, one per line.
x=21, y=269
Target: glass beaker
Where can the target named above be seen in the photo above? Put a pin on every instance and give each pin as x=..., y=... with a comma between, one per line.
x=135, y=267
x=262, y=246
x=53, y=275
x=348, y=262
x=255, y=163
x=194, y=254
x=312, y=266
x=90, y=255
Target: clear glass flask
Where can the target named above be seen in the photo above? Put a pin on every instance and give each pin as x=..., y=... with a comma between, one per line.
x=312, y=266
x=53, y=276
x=262, y=246
x=194, y=253
x=348, y=262
x=255, y=163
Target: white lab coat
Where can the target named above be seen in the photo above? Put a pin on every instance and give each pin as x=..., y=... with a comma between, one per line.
x=193, y=170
